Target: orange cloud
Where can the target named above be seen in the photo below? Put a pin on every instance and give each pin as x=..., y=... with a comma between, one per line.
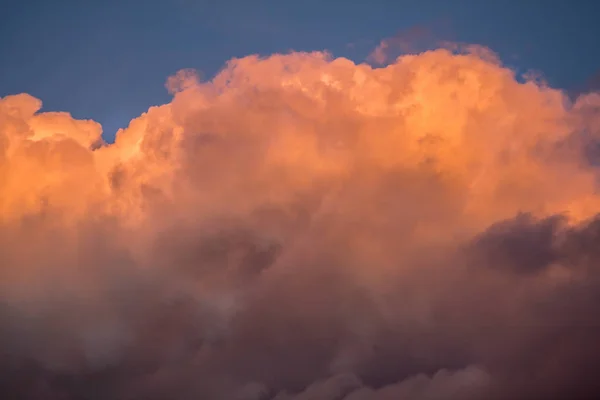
x=337, y=191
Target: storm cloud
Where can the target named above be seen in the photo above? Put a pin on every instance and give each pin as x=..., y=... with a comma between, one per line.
x=304, y=227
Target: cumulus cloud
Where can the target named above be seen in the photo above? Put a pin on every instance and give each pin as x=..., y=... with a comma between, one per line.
x=303, y=227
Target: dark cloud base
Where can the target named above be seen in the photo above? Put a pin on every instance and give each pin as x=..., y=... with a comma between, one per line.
x=488, y=319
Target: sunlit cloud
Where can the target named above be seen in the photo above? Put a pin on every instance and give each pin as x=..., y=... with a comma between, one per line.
x=305, y=227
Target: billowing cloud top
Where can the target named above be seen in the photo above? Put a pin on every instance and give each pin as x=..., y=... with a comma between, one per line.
x=303, y=227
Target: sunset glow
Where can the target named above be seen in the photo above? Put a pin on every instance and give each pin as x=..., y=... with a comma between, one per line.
x=302, y=226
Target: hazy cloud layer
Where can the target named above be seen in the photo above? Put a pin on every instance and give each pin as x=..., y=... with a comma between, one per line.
x=302, y=227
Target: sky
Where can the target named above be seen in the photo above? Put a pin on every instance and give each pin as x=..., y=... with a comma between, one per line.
x=108, y=60
x=305, y=201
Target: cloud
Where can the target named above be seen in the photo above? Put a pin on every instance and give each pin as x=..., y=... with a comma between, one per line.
x=301, y=226
x=413, y=40
x=520, y=243
x=182, y=80
x=462, y=384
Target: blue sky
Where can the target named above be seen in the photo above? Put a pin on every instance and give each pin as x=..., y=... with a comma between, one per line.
x=108, y=60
